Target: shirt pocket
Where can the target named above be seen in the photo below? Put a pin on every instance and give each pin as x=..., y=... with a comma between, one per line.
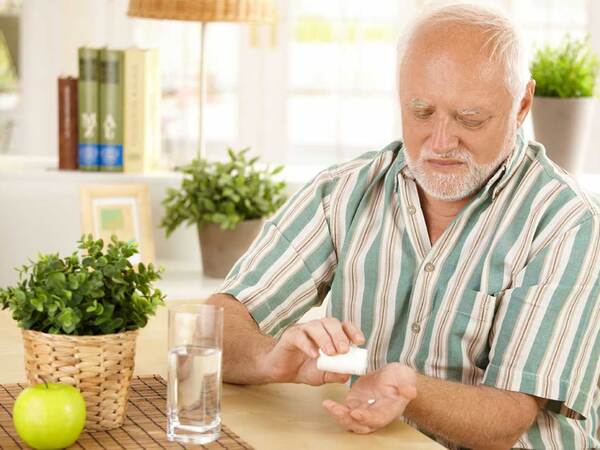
x=461, y=332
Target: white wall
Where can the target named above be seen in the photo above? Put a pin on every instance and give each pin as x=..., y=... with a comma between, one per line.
x=52, y=31
x=41, y=213
x=593, y=150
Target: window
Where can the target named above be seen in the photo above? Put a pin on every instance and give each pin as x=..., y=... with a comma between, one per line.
x=319, y=89
x=341, y=79
x=548, y=20
x=179, y=47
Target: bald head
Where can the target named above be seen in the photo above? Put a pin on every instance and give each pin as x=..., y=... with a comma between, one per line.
x=476, y=29
x=451, y=53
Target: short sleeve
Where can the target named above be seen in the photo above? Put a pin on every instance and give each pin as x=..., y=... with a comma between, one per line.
x=289, y=267
x=545, y=339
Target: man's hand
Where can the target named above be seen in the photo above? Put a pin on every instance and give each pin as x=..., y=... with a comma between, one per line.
x=376, y=399
x=293, y=359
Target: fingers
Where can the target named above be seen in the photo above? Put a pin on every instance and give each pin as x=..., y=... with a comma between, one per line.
x=354, y=333
x=317, y=332
x=304, y=343
x=372, y=418
x=329, y=335
x=341, y=414
x=381, y=413
x=354, y=403
x=332, y=336
x=337, y=334
x=332, y=377
x=296, y=337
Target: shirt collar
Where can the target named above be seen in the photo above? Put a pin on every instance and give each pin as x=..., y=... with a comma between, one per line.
x=509, y=166
x=502, y=175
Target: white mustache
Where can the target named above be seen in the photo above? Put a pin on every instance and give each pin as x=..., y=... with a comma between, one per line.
x=459, y=154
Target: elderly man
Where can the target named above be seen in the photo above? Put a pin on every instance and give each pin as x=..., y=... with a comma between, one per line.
x=462, y=258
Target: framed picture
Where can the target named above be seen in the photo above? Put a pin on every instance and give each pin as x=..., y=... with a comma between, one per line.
x=122, y=210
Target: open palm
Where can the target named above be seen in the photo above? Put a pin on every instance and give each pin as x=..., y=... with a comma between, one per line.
x=376, y=399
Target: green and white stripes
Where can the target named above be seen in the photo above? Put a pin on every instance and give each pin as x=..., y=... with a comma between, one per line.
x=507, y=296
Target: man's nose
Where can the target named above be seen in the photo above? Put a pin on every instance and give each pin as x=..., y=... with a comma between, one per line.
x=442, y=136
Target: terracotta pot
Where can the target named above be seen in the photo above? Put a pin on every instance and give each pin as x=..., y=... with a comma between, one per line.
x=221, y=249
x=563, y=126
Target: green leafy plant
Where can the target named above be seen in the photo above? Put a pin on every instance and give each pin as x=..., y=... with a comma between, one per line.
x=224, y=193
x=8, y=77
x=92, y=292
x=567, y=70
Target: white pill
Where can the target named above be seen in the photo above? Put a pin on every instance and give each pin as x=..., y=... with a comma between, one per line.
x=354, y=362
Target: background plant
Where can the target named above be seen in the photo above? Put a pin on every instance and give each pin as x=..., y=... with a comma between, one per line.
x=224, y=193
x=8, y=77
x=567, y=70
x=94, y=291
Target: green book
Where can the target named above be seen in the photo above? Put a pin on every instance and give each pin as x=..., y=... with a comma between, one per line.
x=87, y=93
x=111, y=110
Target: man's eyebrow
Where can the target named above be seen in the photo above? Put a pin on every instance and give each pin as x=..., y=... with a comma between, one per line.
x=422, y=104
x=417, y=103
x=470, y=112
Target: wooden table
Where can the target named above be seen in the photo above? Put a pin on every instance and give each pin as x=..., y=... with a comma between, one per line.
x=269, y=417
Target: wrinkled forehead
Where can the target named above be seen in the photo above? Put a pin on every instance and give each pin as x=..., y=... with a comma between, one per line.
x=446, y=47
x=451, y=56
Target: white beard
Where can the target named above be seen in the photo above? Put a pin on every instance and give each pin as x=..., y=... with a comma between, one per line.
x=452, y=186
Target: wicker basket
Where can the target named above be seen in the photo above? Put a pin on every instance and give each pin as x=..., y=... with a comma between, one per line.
x=101, y=367
x=254, y=11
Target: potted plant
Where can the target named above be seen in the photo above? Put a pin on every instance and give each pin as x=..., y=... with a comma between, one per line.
x=9, y=96
x=80, y=317
x=562, y=110
x=227, y=201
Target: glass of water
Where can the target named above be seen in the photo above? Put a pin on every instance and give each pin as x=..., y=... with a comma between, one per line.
x=194, y=385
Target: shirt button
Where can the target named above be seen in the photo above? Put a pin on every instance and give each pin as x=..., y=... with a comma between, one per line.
x=429, y=267
x=412, y=209
x=415, y=327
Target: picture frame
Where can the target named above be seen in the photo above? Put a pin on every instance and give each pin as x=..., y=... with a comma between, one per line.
x=120, y=209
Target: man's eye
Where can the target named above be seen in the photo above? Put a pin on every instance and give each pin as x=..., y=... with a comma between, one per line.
x=423, y=114
x=471, y=123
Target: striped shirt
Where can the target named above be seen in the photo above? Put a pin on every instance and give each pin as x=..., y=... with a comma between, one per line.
x=506, y=297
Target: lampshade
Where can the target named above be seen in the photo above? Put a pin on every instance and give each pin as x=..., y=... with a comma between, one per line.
x=254, y=11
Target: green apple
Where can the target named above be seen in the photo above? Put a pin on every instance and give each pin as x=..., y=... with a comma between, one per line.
x=49, y=416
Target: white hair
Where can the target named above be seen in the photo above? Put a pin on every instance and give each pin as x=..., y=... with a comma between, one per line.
x=504, y=41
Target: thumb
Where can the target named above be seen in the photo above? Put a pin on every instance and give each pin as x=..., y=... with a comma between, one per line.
x=408, y=391
x=332, y=377
x=404, y=380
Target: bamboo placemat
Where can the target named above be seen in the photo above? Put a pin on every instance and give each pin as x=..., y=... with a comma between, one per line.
x=144, y=427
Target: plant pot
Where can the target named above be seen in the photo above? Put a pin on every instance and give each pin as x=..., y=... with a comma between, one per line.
x=8, y=105
x=221, y=249
x=101, y=367
x=563, y=126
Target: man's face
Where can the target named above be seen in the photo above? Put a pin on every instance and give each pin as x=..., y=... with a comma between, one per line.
x=457, y=117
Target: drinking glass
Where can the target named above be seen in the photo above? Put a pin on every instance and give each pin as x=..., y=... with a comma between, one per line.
x=194, y=384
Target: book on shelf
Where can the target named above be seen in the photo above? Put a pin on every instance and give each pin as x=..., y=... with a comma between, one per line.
x=141, y=109
x=155, y=110
x=67, y=123
x=111, y=110
x=87, y=102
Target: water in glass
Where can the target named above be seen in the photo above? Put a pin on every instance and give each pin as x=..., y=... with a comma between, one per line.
x=194, y=395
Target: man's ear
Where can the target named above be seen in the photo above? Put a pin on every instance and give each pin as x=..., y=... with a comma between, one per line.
x=526, y=102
